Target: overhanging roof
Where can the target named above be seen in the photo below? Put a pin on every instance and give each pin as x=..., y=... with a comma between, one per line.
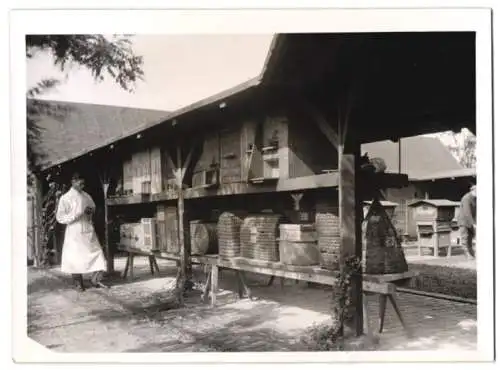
x=408, y=83
x=412, y=83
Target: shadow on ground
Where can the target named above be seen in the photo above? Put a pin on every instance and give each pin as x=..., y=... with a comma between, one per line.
x=251, y=332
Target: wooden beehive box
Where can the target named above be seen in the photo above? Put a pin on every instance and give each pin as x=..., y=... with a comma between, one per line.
x=433, y=210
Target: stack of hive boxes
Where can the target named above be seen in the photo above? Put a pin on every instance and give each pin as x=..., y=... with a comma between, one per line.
x=328, y=232
x=259, y=235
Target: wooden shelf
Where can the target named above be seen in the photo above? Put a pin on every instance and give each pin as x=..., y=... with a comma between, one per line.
x=140, y=199
x=260, y=180
x=261, y=185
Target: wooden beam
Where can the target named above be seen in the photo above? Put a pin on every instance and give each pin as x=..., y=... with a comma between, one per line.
x=171, y=164
x=327, y=129
x=186, y=163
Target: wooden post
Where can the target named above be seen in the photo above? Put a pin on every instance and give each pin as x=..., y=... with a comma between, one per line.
x=351, y=216
x=180, y=220
x=110, y=258
x=180, y=172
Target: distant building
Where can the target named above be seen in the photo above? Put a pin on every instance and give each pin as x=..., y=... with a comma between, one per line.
x=433, y=171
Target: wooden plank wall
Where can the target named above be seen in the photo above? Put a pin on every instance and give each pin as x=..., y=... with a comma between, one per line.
x=230, y=152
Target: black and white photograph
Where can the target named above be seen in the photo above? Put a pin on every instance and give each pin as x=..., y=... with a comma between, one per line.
x=298, y=185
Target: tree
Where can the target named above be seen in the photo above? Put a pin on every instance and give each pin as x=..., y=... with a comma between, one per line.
x=111, y=57
x=463, y=147
x=103, y=57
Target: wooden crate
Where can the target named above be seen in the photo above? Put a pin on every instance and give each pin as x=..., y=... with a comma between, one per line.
x=298, y=245
x=299, y=253
x=298, y=232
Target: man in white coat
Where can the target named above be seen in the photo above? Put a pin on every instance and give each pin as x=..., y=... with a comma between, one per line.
x=82, y=252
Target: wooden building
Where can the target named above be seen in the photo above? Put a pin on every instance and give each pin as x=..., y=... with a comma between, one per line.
x=296, y=128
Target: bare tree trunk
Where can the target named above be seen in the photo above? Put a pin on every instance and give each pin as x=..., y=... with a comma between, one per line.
x=37, y=222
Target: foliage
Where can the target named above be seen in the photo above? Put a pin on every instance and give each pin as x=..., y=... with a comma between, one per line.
x=49, y=222
x=97, y=53
x=463, y=147
x=454, y=281
x=330, y=337
x=102, y=56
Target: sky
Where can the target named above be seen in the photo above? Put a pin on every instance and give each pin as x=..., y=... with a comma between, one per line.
x=178, y=70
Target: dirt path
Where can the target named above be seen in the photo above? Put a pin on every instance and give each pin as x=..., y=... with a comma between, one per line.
x=117, y=320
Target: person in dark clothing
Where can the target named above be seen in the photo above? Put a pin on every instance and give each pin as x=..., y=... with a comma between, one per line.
x=467, y=222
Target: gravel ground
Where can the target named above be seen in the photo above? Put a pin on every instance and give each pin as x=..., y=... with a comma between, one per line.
x=137, y=316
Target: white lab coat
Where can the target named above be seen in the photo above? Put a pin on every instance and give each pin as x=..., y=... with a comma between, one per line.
x=82, y=252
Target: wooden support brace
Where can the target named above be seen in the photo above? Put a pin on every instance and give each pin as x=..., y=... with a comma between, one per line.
x=206, y=288
x=131, y=266
x=127, y=266
x=157, y=268
x=244, y=285
x=271, y=281
x=323, y=125
x=406, y=328
x=366, y=322
x=151, y=265
x=382, y=308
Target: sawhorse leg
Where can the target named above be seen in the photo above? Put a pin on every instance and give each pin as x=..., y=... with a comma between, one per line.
x=206, y=288
x=129, y=266
x=282, y=281
x=153, y=265
x=373, y=338
x=382, y=310
x=406, y=328
x=214, y=284
x=382, y=302
x=243, y=288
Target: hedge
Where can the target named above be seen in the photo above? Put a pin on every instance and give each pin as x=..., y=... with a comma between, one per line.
x=453, y=281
